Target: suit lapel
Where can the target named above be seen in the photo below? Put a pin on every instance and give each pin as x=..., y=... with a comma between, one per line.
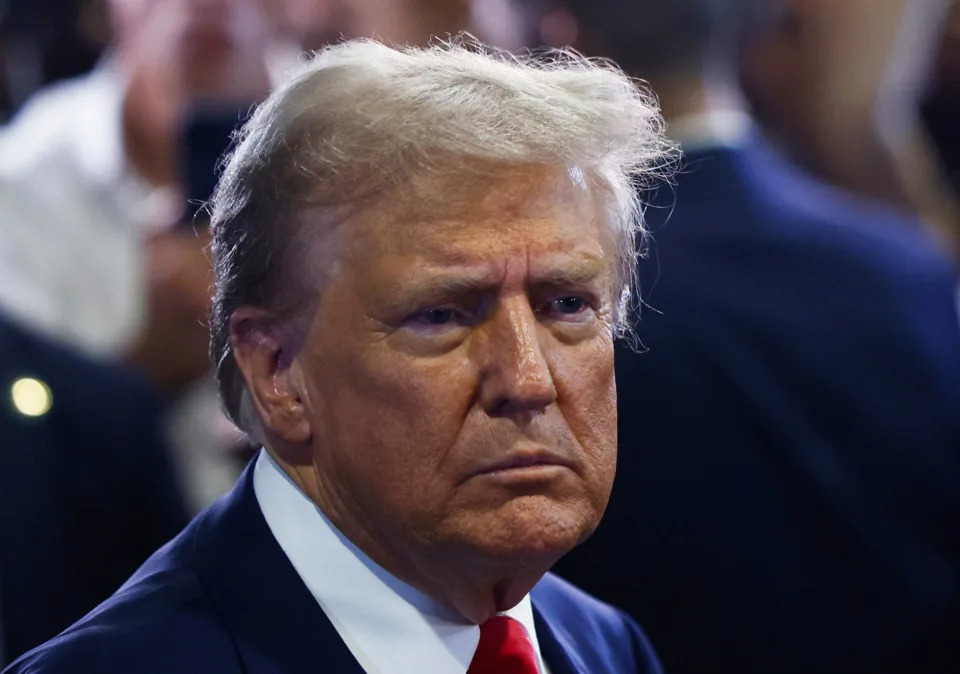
x=556, y=645
x=277, y=625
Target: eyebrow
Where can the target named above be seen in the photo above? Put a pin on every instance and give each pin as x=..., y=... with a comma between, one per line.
x=581, y=272
x=444, y=284
x=555, y=273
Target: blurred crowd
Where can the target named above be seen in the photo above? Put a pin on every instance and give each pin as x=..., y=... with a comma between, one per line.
x=115, y=114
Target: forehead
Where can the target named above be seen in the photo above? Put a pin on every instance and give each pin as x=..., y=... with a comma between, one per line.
x=468, y=216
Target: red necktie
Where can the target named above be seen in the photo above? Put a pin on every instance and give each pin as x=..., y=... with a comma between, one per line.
x=504, y=648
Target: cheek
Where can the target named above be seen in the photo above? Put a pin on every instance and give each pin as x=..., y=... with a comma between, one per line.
x=392, y=418
x=587, y=397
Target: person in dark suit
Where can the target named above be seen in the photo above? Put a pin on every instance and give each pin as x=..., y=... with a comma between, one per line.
x=420, y=257
x=87, y=492
x=223, y=597
x=789, y=469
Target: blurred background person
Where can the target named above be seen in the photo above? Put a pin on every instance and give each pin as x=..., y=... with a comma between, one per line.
x=790, y=437
x=941, y=105
x=87, y=491
x=94, y=258
x=841, y=87
x=91, y=197
x=320, y=22
x=507, y=24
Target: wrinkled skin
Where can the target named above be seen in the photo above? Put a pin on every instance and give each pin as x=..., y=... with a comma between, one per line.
x=453, y=335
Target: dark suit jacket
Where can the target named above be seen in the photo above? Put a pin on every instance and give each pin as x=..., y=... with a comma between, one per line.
x=790, y=441
x=86, y=491
x=222, y=597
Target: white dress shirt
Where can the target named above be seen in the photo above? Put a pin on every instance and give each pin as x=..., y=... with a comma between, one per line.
x=389, y=627
x=74, y=216
x=74, y=212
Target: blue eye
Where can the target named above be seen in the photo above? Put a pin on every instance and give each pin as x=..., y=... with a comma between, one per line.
x=568, y=309
x=569, y=305
x=437, y=316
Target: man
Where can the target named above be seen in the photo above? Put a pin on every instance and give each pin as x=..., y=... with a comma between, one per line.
x=86, y=487
x=94, y=164
x=420, y=258
x=842, y=88
x=790, y=435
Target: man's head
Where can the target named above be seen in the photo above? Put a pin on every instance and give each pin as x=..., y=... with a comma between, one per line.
x=420, y=263
x=409, y=22
x=196, y=48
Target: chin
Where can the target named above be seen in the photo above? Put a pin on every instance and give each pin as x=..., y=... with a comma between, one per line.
x=534, y=529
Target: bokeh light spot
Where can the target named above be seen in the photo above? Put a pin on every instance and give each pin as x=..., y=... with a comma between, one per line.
x=31, y=397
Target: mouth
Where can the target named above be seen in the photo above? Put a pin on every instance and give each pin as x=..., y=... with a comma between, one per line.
x=525, y=463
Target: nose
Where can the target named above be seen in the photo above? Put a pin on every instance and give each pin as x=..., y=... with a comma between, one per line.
x=515, y=377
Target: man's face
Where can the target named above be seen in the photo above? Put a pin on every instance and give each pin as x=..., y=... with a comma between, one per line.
x=185, y=20
x=320, y=22
x=201, y=41
x=458, y=372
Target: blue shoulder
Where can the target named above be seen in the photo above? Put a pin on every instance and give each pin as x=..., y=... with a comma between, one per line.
x=604, y=637
x=137, y=630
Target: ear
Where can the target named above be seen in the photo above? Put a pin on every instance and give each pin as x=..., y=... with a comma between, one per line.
x=264, y=350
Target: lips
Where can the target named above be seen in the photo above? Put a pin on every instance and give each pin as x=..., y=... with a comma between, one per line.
x=524, y=459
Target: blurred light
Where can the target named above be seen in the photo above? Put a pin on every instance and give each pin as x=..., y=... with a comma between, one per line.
x=31, y=397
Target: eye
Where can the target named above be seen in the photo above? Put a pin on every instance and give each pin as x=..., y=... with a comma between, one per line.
x=568, y=308
x=437, y=316
x=437, y=319
x=569, y=305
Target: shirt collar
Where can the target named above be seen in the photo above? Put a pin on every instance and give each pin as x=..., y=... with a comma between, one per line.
x=389, y=626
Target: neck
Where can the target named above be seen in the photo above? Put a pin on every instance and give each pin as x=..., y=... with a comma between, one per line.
x=453, y=575
x=477, y=591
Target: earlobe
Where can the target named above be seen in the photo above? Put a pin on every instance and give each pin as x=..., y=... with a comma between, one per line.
x=289, y=416
x=268, y=365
